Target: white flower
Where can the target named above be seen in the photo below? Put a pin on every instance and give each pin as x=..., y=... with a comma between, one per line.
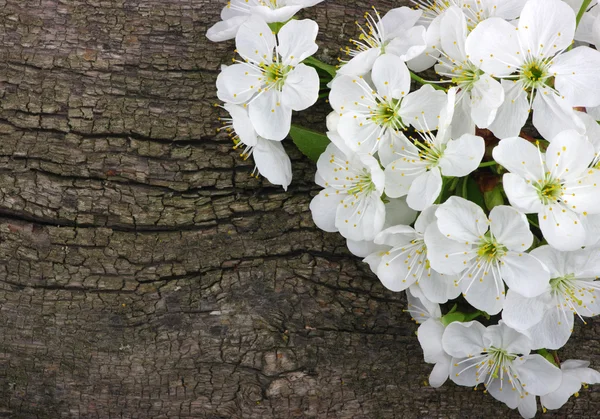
x=574, y=374
x=272, y=84
x=395, y=34
x=559, y=185
x=396, y=212
x=485, y=253
x=351, y=201
x=406, y=262
x=475, y=10
x=480, y=95
x=270, y=158
x=419, y=166
x=237, y=12
x=573, y=290
x=370, y=118
x=543, y=76
x=430, y=333
x=499, y=357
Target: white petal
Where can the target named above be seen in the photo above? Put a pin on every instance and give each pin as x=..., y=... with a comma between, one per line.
x=493, y=46
x=484, y=291
x=522, y=195
x=562, y=228
x=577, y=76
x=360, y=64
x=439, y=373
x=511, y=228
x=425, y=189
x=397, y=21
x=337, y=140
x=462, y=156
x=420, y=308
x=226, y=29
x=487, y=96
x=297, y=41
x=391, y=77
x=553, y=114
x=505, y=337
x=586, y=375
x=391, y=143
x=412, y=44
x=271, y=118
x=395, y=272
x=528, y=407
x=400, y=174
x=241, y=124
x=553, y=331
x=360, y=218
x=346, y=93
x=463, y=371
x=426, y=218
x=507, y=396
x=301, y=88
x=439, y=288
x=521, y=157
x=569, y=155
x=555, y=400
x=582, y=194
x=323, y=208
x=507, y=9
x=559, y=263
x=513, y=113
x=461, y=220
x=364, y=248
x=238, y=83
x=281, y=14
x=524, y=274
x=430, y=337
x=273, y=162
x=359, y=133
x=461, y=340
x=446, y=256
x=462, y=122
x=592, y=129
x=539, y=375
x=522, y=313
x=396, y=236
x=422, y=108
x=397, y=212
x=255, y=41
x=454, y=33
x=546, y=27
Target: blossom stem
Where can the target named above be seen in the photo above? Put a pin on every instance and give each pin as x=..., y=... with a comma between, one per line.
x=582, y=10
x=488, y=164
x=421, y=80
x=465, y=190
x=315, y=63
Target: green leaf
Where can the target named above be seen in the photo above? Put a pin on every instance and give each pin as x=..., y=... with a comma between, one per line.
x=474, y=193
x=313, y=62
x=493, y=198
x=311, y=143
x=549, y=357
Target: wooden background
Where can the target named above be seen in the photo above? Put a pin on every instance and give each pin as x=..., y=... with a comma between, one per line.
x=145, y=274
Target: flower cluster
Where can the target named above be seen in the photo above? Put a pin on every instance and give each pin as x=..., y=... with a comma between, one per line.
x=488, y=218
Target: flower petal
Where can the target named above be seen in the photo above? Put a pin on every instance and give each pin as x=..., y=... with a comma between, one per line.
x=487, y=96
x=461, y=220
x=582, y=195
x=255, y=41
x=412, y=44
x=446, y=256
x=323, y=208
x=546, y=27
x=511, y=228
x=273, y=162
x=225, y=29
x=553, y=331
x=422, y=108
x=439, y=373
x=301, y=88
x=562, y=228
x=484, y=291
x=553, y=114
x=462, y=156
x=430, y=337
x=558, y=398
x=539, y=375
x=297, y=41
x=238, y=83
x=397, y=21
x=522, y=195
x=521, y=157
x=438, y=287
x=360, y=218
x=425, y=189
x=569, y=155
x=522, y=313
x=524, y=274
x=513, y=113
x=360, y=64
x=241, y=124
x=461, y=340
x=346, y=93
x=391, y=77
x=271, y=119
x=577, y=76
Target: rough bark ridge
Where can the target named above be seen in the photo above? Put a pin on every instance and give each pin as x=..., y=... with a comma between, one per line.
x=145, y=274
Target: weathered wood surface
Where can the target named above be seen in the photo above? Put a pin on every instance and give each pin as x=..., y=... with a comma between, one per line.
x=144, y=274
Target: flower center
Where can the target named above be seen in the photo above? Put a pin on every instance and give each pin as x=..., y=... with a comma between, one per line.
x=535, y=74
x=490, y=250
x=549, y=190
x=498, y=359
x=466, y=75
x=362, y=184
x=430, y=152
x=387, y=115
x=275, y=74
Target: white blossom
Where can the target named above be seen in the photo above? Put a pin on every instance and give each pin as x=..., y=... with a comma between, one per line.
x=498, y=357
x=575, y=373
x=271, y=80
x=557, y=185
x=237, y=12
x=540, y=73
x=351, y=201
x=484, y=253
x=572, y=291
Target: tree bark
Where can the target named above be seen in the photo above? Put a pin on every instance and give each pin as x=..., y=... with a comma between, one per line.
x=145, y=274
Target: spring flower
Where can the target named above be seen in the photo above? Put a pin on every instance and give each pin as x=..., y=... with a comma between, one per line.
x=395, y=33
x=544, y=77
x=498, y=357
x=272, y=84
x=237, y=12
x=572, y=291
x=559, y=186
x=419, y=166
x=351, y=201
x=479, y=95
x=406, y=262
x=270, y=158
x=428, y=316
x=484, y=253
x=475, y=10
x=371, y=117
x=575, y=373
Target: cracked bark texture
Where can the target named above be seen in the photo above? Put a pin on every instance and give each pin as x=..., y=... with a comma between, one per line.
x=145, y=274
